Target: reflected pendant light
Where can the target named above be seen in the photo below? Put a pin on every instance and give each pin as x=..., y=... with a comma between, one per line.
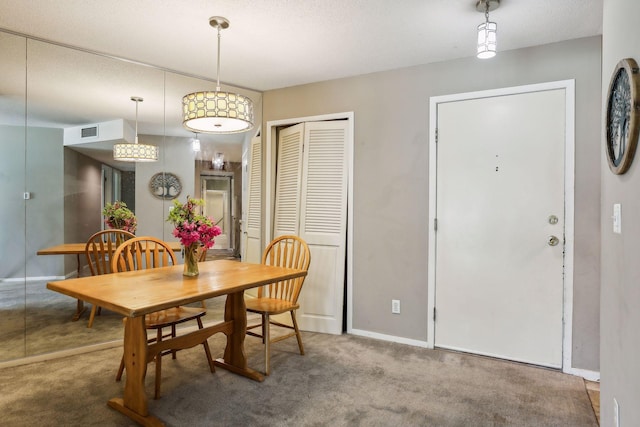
x=135, y=152
x=217, y=111
x=218, y=161
x=487, y=31
x=195, y=144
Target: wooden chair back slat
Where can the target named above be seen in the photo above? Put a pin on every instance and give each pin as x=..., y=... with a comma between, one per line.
x=100, y=248
x=291, y=252
x=142, y=253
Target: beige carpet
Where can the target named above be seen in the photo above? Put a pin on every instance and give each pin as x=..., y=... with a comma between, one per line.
x=341, y=381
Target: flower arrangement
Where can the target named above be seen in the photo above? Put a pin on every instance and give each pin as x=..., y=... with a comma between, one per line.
x=119, y=216
x=190, y=227
x=193, y=230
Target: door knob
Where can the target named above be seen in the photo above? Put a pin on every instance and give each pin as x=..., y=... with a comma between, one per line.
x=553, y=240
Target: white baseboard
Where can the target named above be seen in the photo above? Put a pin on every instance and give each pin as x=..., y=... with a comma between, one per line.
x=60, y=354
x=36, y=279
x=584, y=373
x=384, y=337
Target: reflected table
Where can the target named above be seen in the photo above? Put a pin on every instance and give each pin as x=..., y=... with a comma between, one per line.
x=77, y=249
x=166, y=287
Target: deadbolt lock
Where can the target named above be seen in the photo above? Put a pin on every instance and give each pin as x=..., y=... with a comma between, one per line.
x=553, y=241
x=553, y=219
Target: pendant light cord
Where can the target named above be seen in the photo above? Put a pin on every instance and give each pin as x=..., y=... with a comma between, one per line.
x=136, y=138
x=218, y=72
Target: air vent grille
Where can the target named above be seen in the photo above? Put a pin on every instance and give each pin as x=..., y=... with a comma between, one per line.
x=89, y=132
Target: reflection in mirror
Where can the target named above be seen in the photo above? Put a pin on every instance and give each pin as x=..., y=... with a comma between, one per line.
x=12, y=186
x=78, y=106
x=62, y=111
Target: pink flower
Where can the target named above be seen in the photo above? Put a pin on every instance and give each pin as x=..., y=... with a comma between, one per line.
x=192, y=228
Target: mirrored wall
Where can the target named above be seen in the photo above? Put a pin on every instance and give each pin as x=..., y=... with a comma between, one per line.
x=61, y=111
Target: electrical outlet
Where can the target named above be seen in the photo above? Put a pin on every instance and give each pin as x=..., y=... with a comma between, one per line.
x=395, y=306
x=616, y=413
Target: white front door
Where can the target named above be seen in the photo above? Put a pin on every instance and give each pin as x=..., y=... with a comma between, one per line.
x=217, y=207
x=500, y=199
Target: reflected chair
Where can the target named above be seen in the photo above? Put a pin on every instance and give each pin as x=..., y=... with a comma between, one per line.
x=280, y=297
x=202, y=254
x=99, y=252
x=148, y=252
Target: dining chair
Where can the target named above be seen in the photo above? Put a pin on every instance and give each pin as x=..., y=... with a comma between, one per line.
x=148, y=252
x=202, y=254
x=279, y=297
x=99, y=252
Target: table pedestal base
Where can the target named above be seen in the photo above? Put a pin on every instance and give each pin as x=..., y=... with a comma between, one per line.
x=117, y=403
x=245, y=372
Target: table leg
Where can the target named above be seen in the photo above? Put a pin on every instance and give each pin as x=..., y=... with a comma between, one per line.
x=134, y=403
x=80, y=308
x=235, y=359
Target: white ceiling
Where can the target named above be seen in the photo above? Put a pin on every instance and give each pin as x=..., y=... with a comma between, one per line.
x=278, y=43
x=270, y=44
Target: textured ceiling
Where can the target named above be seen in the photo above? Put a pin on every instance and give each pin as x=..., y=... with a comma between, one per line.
x=279, y=43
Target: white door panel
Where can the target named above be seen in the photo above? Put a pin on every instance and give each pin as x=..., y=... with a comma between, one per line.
x=323, y=225
x=311, y=201
x=253, y=229
x=288, y=182
x=500, y=176
x=320, y=304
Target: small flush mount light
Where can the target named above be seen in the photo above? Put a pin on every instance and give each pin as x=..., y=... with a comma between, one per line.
x=487, y=31
x=217, y=111
x=135, y=152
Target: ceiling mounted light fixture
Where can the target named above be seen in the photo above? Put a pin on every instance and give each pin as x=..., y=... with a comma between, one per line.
x=487, y=31
x=217, y=111
x=135, y=152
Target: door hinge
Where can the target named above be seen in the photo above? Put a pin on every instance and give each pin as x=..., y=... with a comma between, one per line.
x=434, y=314
x=436, y=135
x=435, y=224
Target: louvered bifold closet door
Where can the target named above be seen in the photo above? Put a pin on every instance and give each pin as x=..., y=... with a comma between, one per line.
x=289, y=175
x=253, y=230
x=323, y=219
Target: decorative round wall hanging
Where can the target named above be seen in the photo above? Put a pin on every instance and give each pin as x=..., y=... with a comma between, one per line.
x=164, y=185
x=623, y=115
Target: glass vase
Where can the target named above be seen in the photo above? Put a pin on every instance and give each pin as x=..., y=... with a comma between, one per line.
x=190, y=261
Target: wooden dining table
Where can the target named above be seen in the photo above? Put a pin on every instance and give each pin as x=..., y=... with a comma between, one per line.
x=78, y=249
x=137, y=293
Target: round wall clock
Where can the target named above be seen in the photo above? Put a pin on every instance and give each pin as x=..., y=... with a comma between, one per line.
x=164, y=185
x=623, y=115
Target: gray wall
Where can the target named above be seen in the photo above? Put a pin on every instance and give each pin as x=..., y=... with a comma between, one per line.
x=38, y=222
x=620, y=301
x=175, y=157
x=12, y=185
x=391, y=175
x=45, y=212
x=82, y=202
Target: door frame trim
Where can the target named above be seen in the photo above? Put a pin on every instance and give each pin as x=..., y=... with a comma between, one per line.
x=569, y=182
x=269, y=189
